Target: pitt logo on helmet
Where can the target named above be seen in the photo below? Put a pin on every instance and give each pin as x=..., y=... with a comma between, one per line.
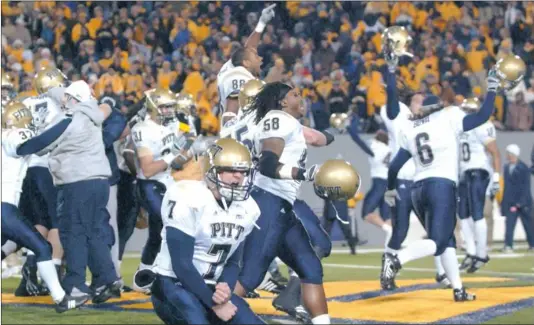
x=16, y=115
x=48, y=78
x=336, y=179
x=511, y=70
x=398, y=38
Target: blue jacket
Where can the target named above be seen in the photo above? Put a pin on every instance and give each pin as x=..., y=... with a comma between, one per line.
x=112, y=129
x=516, y=187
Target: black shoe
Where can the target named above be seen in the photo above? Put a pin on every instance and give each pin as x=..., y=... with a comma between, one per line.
x=29, y=285
x=288, y=301
x=443, y=280
x=69, y=303
x=467, y=262
x=477, y=264
x=252, y=295
x=126, y=289
x=461, y=295
x=107, y=292
x=390, y=267
x=302, y=315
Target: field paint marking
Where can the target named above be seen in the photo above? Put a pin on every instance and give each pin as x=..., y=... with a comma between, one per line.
x=420, y=269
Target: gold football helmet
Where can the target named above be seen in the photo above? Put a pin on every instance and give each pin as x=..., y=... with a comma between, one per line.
x=398, y=38
x=16, y=115
x=511, y=70
x=227, y=154
x=470, y=105
x=48, y=78
x=161, y=105
x=337, y=120
x=8, y=89
x=250, y=89
x=185, y=104
x=336, y=179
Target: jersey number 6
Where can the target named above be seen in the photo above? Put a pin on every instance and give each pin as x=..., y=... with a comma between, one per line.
x=426, y=157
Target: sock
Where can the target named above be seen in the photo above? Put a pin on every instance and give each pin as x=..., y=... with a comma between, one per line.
x=391, y=250
x=49, y=275
x=452, y=270
x=8, y=248
x=321, y=319
x=439, y=265
x=469, y=236
x=30, y=253
x=416, y=250
x=389, y=231
x=56, y=261
x=481, y=235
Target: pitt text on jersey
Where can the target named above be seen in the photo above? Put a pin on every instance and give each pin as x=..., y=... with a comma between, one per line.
x=168, y=139
x=225, y=229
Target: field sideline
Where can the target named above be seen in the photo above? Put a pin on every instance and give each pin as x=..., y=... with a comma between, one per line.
x=504, y=288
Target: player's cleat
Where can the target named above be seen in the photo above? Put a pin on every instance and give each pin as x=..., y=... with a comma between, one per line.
x=461, y=295
x=288, y=301
x=302, y=315
x=443, y=280
x=29, y=285
x=69, y=303
x=390, y=267
x=272, y=286
x=143, y=280
x=467, y=262
x=477, y=264
x=107, y=292
x=252, y=295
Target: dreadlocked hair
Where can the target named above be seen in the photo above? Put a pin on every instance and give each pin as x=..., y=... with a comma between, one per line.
x=269, y=98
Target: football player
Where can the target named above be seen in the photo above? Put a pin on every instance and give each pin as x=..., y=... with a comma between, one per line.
x=16, y=120
x=157, y=145
x=39, y=195
x=282, y=149
x=244, y=65
x=203, y=238
x=478, y=151
x=432, y=138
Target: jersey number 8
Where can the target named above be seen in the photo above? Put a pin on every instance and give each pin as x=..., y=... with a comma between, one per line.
x=426, y=157
x=271, y=124
x=236, y=84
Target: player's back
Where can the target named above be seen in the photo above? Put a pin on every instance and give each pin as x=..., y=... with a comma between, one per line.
x=191, y=207
x=243, y=130
x=473, y=154
x=380, y=162
x=433, y=143
x=279, y=124
x=13, y=166
x=229, y=81
x=153, y=139
x=394, y=128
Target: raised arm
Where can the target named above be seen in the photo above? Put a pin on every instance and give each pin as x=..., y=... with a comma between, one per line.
x=474, y=120
x=400, y=159
x=266, y=15
x=353, y=130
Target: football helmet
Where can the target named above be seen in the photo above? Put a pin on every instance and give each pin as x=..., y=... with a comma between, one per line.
x=161, y=105
x=227, y=154
x=470, y=105
x=47, y=78
x=397, y=39
x=247, y=92
x=8, y=89
x=511, y=70
x=16, y=115
x=336, y=179
x=185, y=104
x=338, y=120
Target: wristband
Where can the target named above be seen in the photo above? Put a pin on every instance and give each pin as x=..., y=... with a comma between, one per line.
x=496, y=177
x=168, y=158
x=286, y=172
x=301, y=174
x=260, y=27
x=329, y=137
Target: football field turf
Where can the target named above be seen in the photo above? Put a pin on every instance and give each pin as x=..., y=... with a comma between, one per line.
x=504, y=288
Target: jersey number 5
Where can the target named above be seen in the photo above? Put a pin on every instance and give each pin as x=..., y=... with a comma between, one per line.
x=426, y=157
x=221, y=251
x=247, y=142
x=271, y=124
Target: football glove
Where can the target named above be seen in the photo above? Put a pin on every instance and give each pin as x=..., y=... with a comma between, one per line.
x=390, y=197
x=493, y=82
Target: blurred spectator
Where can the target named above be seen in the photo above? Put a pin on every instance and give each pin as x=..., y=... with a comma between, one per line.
x=338, y=101
x=520, y=115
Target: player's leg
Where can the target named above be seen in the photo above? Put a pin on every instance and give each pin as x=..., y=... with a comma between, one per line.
x=401, y=216
x=16, y=228
x=151, y=198
x=340, y=210
x=174, y=305
x=298, y=253
x=128, y=209
x=478, y=181
x=466, y=224
x=511, y=220
x=373, y=200
x=261, y=246
x=244, y=314
x=488, y=215
x=524, y=214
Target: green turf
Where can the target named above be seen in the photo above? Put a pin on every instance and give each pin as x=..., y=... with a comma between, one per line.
x=34, y=315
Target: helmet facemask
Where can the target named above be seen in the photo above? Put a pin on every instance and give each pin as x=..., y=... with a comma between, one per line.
x=232, y=192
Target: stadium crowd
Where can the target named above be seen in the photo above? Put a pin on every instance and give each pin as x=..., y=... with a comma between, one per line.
x=331, y=50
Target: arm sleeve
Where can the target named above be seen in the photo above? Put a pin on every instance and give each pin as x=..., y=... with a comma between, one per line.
x=353, y=130
x=231, y=269
x=400, y=159
x=44, y=140
x=474, y=120
x=181, y=248
x=392, y=103
x=112, y=130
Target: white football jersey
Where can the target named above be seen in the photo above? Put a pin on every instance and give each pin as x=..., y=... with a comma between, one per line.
x=14, y=167
x=229, y=82
x=473, y=143
x=380, y=162
x=157, y=139
x=46, y=113
x=191, y=207
x=279, y=124
x=394, y=128
x=243, y=130
x=433, y=142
